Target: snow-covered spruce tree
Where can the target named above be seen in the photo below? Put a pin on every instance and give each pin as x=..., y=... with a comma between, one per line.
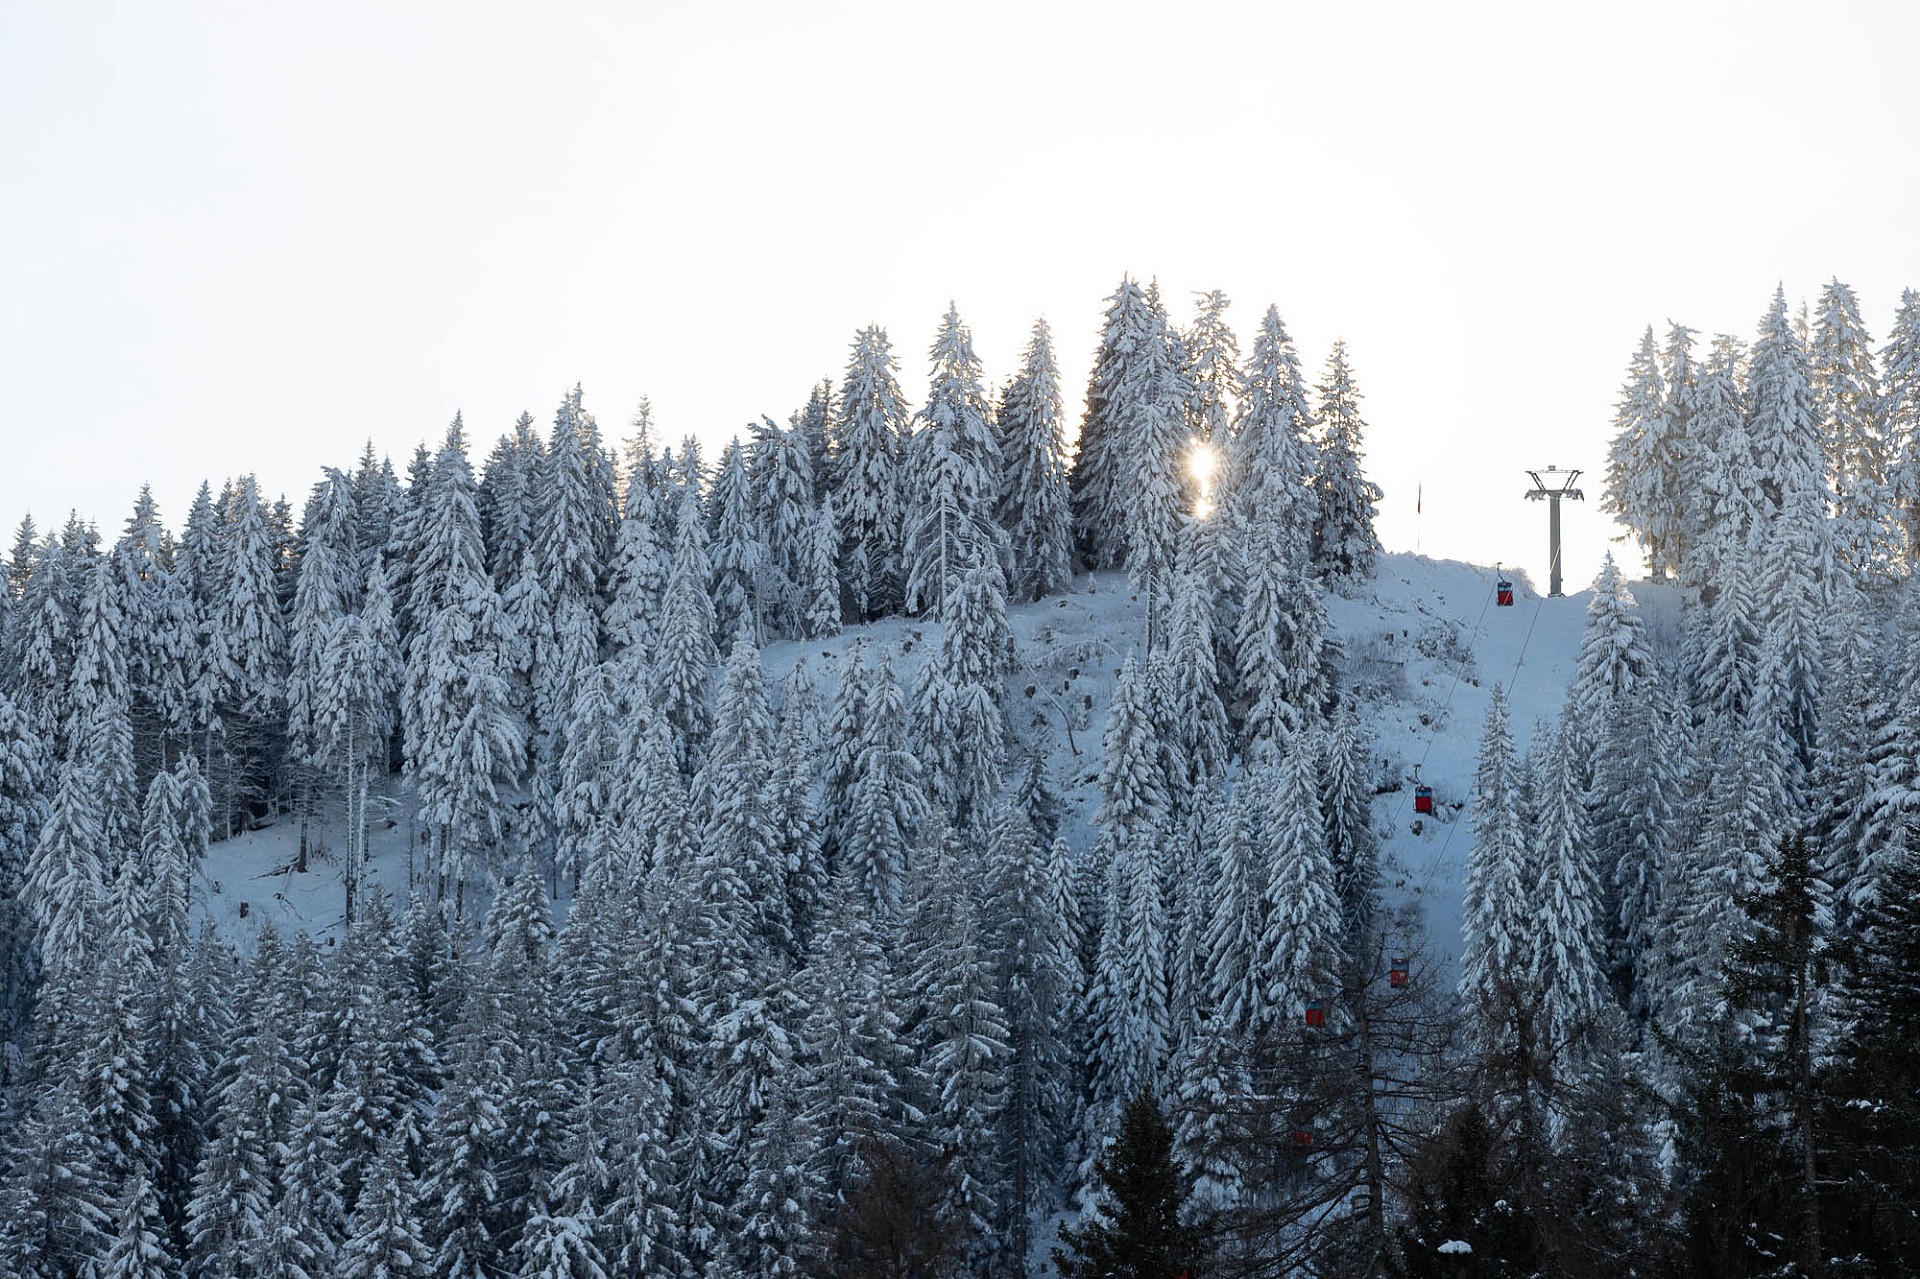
x=587, y=772
x=1564, y=944
x=1795, y=590
x=463, y=741
x=960, y=717
x=1033, y=504
x=733, y=791
x=962, y=1033
x=1645, y=472
x=506, y=498
x=1493, y=968
x=1614, y=658
x=1783, y=419
x=796, y=813
x=353, y=713
x=637, y=578
x=55, y=1204
x=1030, y=934
x=1631, y=809
x=1192, y=717
x=384, y=1237
x=1727, y=647
x=1298, y=958
x=1127, y=1008
x=64, y=886
x=950, y=529
x=1213, y=370
x=40, y=641
x=818, y=591
x=1900, y=417
x=1114, y=390
x=1140, y=1226
x=1152, y=436
x=684, y=659
x=887, y=806
x=1890, y=802
x=1346, y=804
x=100, y=708
x=24, y=769
x=1846, y=390
x=1268, y=473
x=1344, y=546
x=1725, y=470
x=1279, y=642
x=783, y=489
x=325, y=590
x=868, y=483
x=739, y=555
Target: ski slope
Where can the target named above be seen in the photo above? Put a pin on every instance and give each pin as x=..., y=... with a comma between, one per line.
x=1422, y=644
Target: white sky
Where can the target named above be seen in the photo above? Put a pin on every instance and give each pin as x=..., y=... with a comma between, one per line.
x=251, y=236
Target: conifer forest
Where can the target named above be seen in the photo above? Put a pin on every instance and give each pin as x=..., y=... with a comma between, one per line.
x=948, y=836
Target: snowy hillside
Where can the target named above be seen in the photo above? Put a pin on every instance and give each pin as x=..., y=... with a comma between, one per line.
x=1422, y=644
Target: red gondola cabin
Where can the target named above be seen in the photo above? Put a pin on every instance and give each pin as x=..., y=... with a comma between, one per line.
x=1423, y=799
x=1397, y=972
x=1503, y=593
x=1316, y=1013
x=1303, y=1136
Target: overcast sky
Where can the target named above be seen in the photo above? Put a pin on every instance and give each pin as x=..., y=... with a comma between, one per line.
x=252, y=236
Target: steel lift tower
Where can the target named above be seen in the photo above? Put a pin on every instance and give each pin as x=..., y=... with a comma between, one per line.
x=1546, y=488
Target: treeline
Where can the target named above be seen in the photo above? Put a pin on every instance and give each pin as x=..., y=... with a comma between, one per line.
x=832, y=995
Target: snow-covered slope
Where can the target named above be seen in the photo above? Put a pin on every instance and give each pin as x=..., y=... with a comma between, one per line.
x=1423, y=643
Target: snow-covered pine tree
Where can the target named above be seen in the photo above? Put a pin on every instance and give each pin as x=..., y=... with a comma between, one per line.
x=1645, y=471
x=1033, y=504
x=964, y=1051
x=869, y=477
x=637, y=578
x=1213, y=370
x=1344, y=546
x=1268, y=472
x=1900, y=417
x=886, y=806
x=249, y=642
x=734, y=791
x=960, y=716
x=818, y=598
x=1493, y=968
x=1846, y=390
x=784, y=488
x=1299, y=956
x=684, y=660
x=1030, y=932
x=384, y=1237
x=950, y=530
x=1783, y=419
x=739, y=555
x=1614, y=657
x=1565, y=941
x=506, y=499
x=1280, y=638
x=1115, y=389
x=1725, y=469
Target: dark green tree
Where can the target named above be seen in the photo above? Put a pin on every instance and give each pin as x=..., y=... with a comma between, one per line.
x=1141, y=1229
x=1871, y=1125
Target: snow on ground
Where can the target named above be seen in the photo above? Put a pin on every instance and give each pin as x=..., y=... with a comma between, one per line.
x=1423, y=644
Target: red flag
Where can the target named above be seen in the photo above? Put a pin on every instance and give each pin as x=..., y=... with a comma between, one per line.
x=1419, y=491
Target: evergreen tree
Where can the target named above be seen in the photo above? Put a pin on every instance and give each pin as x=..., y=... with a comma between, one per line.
x=637, y=582
x=1140, y=1230
x=683, y=663
x=1344, y=546
x=949, y=528
x=739, y=553
x=1646, y=462
x=1033, y=504
x=384, y=1239
x=1495, y=925
x=1114, y=390
x=818, y=596
x=869, y=475
x=1900, y=416
x=1846, y=390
